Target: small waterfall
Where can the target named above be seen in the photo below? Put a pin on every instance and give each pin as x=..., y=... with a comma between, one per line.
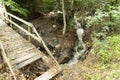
x=80, y=34
x=77, y=53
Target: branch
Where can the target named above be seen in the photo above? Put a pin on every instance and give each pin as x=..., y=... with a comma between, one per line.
x=64, y=17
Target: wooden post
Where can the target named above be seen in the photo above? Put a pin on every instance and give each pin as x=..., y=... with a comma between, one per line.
x=10, y=23
x=5, y=15
x=29, y=30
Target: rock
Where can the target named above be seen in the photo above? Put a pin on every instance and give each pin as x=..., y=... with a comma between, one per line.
x=53, y=42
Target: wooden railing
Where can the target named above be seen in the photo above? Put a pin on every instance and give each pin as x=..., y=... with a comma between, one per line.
x=30, y=27
x=6, y=60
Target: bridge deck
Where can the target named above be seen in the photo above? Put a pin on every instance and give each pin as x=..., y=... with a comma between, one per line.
x=20, y=52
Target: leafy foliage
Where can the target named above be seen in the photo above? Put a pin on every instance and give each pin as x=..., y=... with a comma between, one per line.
x=48, y=5
x=108, y=17
x=15, y=7
x=108, y=49
x=79, y=7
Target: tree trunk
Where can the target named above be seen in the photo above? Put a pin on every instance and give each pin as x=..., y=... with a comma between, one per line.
x=72, y=4
x=64, y=17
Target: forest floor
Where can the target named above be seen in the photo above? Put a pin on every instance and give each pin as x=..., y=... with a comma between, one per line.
x=62, y=46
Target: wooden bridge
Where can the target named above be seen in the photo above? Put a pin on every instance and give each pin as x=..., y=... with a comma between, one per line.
x=19, y=52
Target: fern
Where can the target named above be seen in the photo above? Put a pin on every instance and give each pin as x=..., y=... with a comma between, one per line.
x=15, y=7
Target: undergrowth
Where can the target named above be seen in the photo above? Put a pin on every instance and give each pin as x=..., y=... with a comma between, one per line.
x=15, y=7
x=106, y=44
x=108, y=50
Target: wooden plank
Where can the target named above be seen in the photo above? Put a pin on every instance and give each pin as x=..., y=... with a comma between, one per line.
x=15, y=49
x=16, y=55
x=7, y=36
x=23, y=58
x=17, y=46
x=7, y=30
x=2, y=23
x=25, y=50
x=3, y=33
x=12, y=43
x=34, y=58
x=49, y=74
x=12, y=39
x=10, y=48
x=21, y=48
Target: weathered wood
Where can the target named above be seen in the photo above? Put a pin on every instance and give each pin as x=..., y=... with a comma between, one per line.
x=19, y=19
x=8, y=36
x=29, y=30
x=28, y=33
x=26, y=62
x=19, y=55
x=16, y=46
x=19, y=51
x=6, y=60
x=14, y=43
x=38, y=38
x=2, y=31
x=23, y=58
x=49, y=74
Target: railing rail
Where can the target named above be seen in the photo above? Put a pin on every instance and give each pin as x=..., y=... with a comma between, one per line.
x=6, y=60
x=19, y=19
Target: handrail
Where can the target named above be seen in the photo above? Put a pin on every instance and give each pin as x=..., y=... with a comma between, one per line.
x=19, y=19
x=6, y=60
x=28, y=33
x=37, y=37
